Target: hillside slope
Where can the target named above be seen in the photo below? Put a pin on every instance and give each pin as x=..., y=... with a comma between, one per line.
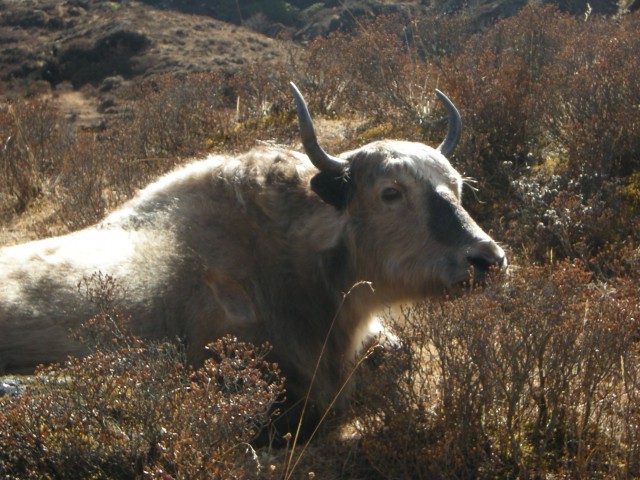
x=85, y=42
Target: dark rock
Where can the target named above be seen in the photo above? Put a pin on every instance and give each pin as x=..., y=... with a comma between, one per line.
x=106, y=102
x=112, y=83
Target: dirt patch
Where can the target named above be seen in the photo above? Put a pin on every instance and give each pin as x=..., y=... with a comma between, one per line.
x=80, y=108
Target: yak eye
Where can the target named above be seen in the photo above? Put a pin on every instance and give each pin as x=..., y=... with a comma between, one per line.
x=390, y=195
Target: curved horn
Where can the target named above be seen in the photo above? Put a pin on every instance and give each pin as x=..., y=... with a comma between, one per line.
x=453, y=129
x=322, y=161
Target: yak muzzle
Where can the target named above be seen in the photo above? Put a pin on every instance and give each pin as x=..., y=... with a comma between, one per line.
x=485, y=257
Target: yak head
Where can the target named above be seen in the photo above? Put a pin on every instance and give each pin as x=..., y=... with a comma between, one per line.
x=407, y=229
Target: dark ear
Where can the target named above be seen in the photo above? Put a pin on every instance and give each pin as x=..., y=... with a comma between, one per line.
x=333, y=190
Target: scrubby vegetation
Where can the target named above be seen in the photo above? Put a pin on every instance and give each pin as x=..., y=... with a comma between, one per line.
x=536, y=377
x=131, y=409
x=529, y=379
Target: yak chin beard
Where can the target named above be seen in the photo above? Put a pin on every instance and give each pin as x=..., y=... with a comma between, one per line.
x=401, y=284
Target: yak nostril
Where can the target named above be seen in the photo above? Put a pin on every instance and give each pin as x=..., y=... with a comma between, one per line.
x=486, y=255
x=481, y=262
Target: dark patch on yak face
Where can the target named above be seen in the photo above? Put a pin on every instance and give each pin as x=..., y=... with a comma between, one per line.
x=449, y=223
x=332, y=189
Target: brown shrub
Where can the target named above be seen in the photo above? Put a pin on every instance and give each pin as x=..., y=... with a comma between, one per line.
x=376, y=72
x=541, y=93
x=35, y=141
x=560, y=217
x=595, y=81
x=532, y=378
x=178, y=116
x=264, y=106
x=498, y=84
x=45, y=157
x=131, y=410
x=87, y=173
x=190, y=115
x=80, y=188
x=139, y=411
